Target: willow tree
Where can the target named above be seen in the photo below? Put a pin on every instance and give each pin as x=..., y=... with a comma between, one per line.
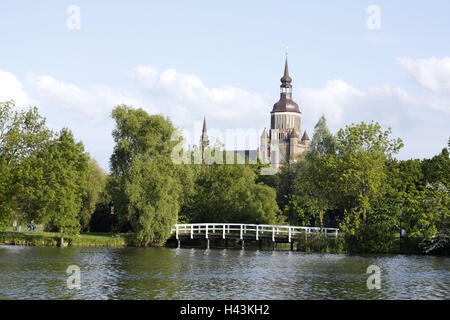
x=146, y=187
x=94, y=184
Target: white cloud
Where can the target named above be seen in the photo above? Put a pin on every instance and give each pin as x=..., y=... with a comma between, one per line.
x=433, y=73
x=12, y=89
x=96, y=101
x=185, y=99
x=332, y=100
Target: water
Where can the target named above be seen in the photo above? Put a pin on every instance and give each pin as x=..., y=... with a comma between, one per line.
x=164, y=273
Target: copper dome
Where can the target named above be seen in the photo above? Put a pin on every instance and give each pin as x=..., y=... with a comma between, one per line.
x=285, y=104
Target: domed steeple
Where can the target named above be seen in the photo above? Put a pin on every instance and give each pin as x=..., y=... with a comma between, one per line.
x=286, y=104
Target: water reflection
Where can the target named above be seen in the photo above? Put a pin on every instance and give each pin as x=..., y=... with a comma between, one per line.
x=162, y=273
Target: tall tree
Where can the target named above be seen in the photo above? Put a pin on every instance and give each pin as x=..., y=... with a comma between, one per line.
x=64, y=172
x=362, y=151
x=316, y=174
x=23, y=136
x=146, y=188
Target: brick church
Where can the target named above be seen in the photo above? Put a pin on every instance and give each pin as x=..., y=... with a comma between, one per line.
x=282, y=142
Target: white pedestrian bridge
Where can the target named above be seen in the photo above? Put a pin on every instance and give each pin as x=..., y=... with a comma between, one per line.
x=248, y=232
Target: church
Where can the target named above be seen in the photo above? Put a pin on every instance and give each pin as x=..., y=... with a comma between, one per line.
x=282, y=142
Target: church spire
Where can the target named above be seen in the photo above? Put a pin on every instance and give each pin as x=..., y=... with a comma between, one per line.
x=286, y=79
x=204, y=137
x=285, y=104
x=204, y=126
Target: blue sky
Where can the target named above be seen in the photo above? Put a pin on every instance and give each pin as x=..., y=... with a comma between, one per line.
x=187, y=59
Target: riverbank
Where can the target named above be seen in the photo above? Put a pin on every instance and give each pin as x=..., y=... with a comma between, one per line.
x=52, y=239
x=312, y=244
x=116, y=240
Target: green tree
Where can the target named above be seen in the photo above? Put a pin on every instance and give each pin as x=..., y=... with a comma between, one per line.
x=437, y=169
x=23, y=136
x=228, y=193
x=427, y=211
x=64, y=171
x=146, y=188
x=94, y=184
x=315, y=181
x=362, y=151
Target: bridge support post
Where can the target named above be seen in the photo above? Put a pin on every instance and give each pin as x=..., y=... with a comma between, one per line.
x=274, y=245
x=242, y=244
x=207, y=243
x=179, y=243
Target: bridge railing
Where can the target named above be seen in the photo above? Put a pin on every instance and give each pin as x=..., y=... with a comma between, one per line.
x=257, y=230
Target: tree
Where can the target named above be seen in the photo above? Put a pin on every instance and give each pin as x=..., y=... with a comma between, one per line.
x=64, y=172
x=23, y=136
x=285, y=184
x=228, y=193
x=146, y=188
x=313, y=183
x=362, y=151
x=93, y=186
x=153, y=192
x=437, y=169
x=427, y=211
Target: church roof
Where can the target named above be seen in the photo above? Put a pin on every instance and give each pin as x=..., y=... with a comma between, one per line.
x=285, y=104
x=305, y=136
x=294, y=134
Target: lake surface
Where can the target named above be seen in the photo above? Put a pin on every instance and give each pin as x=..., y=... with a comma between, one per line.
x=165, y=273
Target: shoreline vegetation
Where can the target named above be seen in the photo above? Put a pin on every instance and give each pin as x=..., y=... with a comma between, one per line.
x=53, y=239
x=314, y=244
x=349, y=180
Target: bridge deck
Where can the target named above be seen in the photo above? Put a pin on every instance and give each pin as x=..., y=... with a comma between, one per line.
x=252, y=232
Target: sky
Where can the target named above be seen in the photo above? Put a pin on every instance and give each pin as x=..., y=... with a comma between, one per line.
x=352, y=61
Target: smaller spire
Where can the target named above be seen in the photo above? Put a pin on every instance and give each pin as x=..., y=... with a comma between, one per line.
x=204, y=137
x=305, y=136
x=204, y=125
x=294, y=134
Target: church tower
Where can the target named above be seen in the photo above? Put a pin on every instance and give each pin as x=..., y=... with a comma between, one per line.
x=283, y=143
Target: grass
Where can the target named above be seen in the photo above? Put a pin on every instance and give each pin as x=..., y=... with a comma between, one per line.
x=45, y=239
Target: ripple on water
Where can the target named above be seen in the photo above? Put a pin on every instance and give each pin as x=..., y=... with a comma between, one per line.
x=162, y=273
